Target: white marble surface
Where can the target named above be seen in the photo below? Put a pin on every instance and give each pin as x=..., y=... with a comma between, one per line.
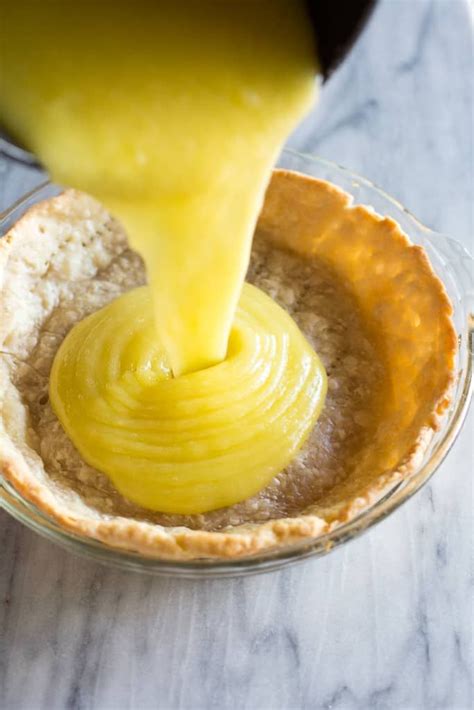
x=383, y=623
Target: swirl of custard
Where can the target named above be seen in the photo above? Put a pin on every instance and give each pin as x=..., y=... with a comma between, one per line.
x=198, y=442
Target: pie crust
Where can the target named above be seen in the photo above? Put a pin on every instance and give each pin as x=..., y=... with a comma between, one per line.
x=364, y=295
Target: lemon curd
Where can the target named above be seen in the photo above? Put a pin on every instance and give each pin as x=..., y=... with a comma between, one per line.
x=200, y=441
x=190, y=393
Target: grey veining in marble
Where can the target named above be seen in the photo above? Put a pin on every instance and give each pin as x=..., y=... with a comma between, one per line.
x=383, y=623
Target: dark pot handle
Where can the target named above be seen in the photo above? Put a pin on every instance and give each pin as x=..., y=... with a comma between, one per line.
x=337, y=24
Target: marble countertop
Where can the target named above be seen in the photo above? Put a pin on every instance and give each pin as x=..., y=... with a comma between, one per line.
x=383, y=622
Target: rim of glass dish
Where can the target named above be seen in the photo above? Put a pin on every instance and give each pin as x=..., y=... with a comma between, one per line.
x=394, y=497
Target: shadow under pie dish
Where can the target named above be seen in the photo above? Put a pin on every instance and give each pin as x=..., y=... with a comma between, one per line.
x=364, y=296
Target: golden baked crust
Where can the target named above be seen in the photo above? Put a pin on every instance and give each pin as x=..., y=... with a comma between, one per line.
x=66, y=257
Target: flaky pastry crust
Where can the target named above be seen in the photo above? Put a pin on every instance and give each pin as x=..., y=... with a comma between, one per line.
x=58, y=253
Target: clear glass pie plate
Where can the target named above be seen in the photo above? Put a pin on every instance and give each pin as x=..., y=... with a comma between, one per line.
x=453, y=265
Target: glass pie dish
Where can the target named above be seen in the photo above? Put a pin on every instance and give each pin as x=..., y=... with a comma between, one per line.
x=452, y=264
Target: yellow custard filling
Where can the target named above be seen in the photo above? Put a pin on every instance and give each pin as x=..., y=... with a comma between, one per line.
x=198, y=442
x=172, y=113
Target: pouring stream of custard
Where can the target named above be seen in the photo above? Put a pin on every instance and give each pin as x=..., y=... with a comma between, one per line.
x=172, y=113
